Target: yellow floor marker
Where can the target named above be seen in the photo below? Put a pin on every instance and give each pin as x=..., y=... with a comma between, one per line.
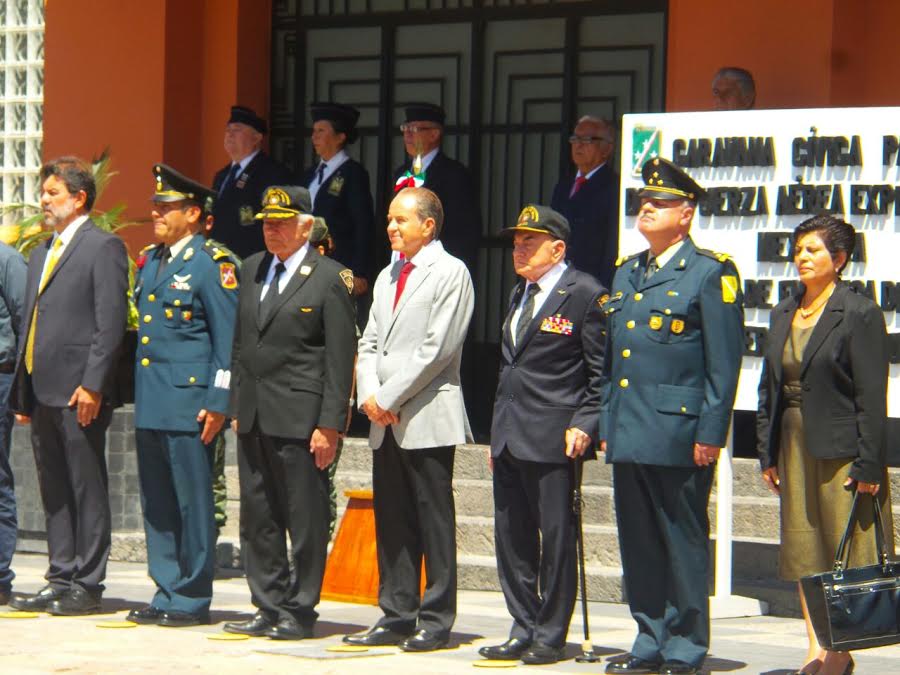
x=117, y=624
x=227, y=637
x=347, y=648
x=19, y=615
x=495, y=664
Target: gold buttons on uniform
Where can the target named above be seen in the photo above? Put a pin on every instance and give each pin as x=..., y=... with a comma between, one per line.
x=638, y=296
x=145, y=340
x=623, y=382
x=626, y=353
x=683, y=409
x=667, y=310
x=177, y=303
x=145, y=362
x=151, y=297
x=192, y=379
x=630, y=324
x=147, y=318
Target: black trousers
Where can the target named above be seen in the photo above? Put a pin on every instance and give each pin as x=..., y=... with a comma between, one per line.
x=71, y=468
x=282, y=492
x=534, y=536
x=415, y=516
x=664, y=538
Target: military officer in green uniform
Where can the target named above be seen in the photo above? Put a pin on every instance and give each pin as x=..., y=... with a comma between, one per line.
x=674, y=347
x=186, y=295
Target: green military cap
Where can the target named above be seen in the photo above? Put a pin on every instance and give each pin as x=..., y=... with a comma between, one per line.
x=172, y=186
x=542, y=219
x=664, y=180
x=285, y=201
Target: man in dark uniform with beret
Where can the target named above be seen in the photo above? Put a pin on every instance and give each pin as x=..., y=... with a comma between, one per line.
x=186, y=296
x=427, y=166
x=551, y=370
x=674, y=345
x=239, y=186
x=293, y=354
x=340, y=191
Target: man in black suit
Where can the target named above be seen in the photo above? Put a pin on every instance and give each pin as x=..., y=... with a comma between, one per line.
x=239, y=186
x=427, y=166
x=550, y=370
x=76, y=307
x=340, y=191
x=293, y=353
x=589, y=199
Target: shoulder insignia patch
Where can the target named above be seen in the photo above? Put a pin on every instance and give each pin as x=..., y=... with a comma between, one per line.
x=218, y=251
x=729, y=288
x=716, y=255
x=347, y=278
x=228, y=275
x=622, y=259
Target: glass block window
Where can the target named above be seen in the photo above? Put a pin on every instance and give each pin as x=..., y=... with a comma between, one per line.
x=21, y=98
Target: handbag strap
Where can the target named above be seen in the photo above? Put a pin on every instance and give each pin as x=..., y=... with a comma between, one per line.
x=842, y=557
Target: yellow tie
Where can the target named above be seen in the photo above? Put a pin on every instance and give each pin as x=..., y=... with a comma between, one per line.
x=45, y=277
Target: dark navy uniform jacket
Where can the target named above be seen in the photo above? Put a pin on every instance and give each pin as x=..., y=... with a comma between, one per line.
x=674, y=349
x=185, y=331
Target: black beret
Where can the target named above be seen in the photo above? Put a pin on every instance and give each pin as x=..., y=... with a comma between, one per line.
x=424, y=112
x=342, y=117
x=243, y=115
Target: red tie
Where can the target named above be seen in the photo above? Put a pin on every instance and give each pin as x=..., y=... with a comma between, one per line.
x=581, y=180
x=401, y=281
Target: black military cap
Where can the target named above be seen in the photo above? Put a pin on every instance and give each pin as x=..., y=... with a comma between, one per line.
x=244, y=115
x=172, y=186
x=425, y=112
x=664, y=180
x=342, y=117
x=543, y=219
x=285, y=201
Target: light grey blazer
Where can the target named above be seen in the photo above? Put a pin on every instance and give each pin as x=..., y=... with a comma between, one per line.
x=409, y=356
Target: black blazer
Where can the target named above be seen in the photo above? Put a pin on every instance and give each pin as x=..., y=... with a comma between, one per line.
x=593, y=214
x=82, y=315
x=551, y=381
x=844, y=376
x=293, y=372
x=345, y=202
x=234, y=209
x=452, y=183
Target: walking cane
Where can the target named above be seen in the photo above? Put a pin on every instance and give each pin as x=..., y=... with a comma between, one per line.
x=587, y=648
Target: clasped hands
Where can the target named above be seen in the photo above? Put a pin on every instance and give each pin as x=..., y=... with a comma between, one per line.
x=704, y=454
x=377, y=414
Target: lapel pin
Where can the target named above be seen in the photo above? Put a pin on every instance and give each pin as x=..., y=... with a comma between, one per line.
x=305, y=270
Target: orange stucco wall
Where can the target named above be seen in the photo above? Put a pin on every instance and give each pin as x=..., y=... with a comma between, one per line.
x=153, y=81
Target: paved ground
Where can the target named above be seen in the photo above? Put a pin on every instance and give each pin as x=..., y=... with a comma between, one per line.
x=77, y=645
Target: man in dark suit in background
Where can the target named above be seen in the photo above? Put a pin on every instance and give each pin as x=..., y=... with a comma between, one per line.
x=550, y=370
x=340, y=191
x=76, y=309
x=294, y=347
x=589, y=199
x=427, y=166
x=239, y=186
x=674, y=347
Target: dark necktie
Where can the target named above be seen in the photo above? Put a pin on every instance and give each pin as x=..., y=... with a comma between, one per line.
x=527, y=313
x=163, y=261
x=652, y=268
x=581, y=180
x=321, y=173
x=230, y=178
x=401, y=281
x=267, y=306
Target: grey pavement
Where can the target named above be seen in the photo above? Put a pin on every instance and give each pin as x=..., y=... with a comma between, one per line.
x=46, y=644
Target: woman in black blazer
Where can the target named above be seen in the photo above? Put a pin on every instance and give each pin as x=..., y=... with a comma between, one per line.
x=822, y=416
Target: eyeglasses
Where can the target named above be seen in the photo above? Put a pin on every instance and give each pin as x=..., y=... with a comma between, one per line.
x=583, y=140
x=416, y=128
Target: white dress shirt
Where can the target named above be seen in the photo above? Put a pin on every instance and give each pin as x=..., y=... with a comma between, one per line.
x=290, y=268
x=547, y=283
x=331, y=166
x=65, y=237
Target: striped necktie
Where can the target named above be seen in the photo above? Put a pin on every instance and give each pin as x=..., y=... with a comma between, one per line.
x=52, y=259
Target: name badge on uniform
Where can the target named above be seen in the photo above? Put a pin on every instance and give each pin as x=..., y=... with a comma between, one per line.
x=557, y=324
x=242, y=181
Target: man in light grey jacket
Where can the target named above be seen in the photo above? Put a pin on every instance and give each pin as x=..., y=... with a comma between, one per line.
x=408, y=385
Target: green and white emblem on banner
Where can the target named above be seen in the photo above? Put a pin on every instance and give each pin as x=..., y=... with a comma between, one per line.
x=645, y=144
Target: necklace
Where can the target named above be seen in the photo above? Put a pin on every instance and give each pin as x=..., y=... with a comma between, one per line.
x=816, y=304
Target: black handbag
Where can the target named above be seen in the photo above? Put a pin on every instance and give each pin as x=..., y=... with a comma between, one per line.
x=856, y=608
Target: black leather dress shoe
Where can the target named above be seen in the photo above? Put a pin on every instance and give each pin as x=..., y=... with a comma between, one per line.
x=172, y=619
x=37, y=602
x=677, y=668
x=148, y=615
x=632, y=665
x=511, y=650
x=4, y=597
x=290, y=629
x=76, y=602
x=379, y=636
x=256, y=627
x=540, y=654
x=423, y=641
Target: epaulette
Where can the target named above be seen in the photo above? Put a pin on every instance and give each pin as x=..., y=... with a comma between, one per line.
x=622, y=259
x=147, y=249
x=218, y=251
x=721, y=257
